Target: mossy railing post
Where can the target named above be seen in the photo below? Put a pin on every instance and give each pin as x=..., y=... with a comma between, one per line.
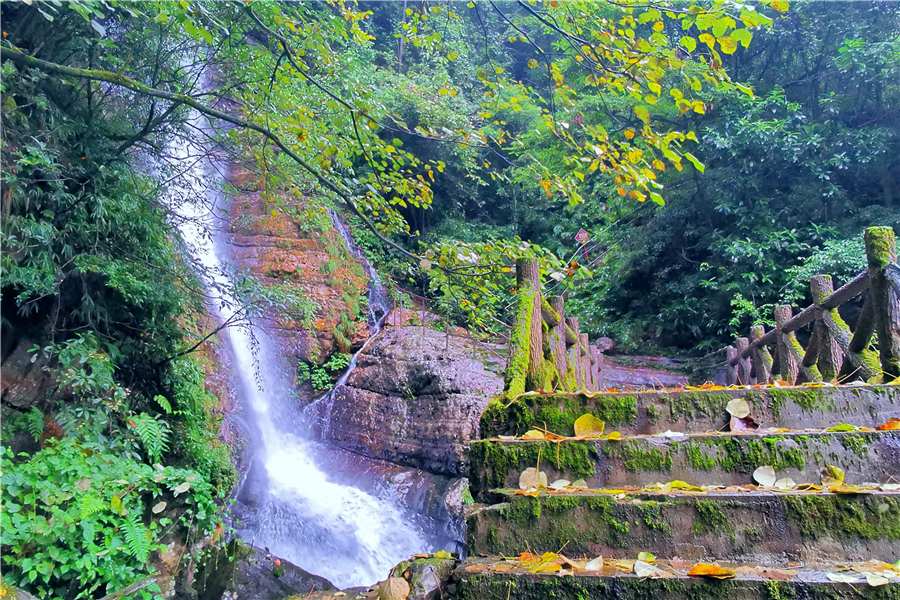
x=884, y=288
x=761, y=360
x=558, y=339
x=574, y=356
x=788, y=356
x=832, y=334
x=743, y=366
x=731, y=376
x=595, y=367
x=520, y=346
x=584, y=354
x=529, y=285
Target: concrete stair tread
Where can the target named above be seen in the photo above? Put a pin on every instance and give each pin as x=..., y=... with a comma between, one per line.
x=695, y=410
x=740, y=524
x=498, y=578
x=698, y=458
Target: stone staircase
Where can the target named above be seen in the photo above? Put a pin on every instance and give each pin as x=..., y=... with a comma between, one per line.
x=675, y=482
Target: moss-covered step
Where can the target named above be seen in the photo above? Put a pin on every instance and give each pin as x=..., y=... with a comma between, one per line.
x=749, y=526
x=697, y=411
x=699, y=459
x=475, y=581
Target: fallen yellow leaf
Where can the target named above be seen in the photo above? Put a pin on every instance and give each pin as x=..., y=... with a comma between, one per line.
x=892, y=424
x=708, y=570
x=587, y=425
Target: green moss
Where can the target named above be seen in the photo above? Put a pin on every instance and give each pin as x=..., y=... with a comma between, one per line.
x=710, y=518
x=547, y=376
x=808, y=399
x=492, y=462
x=618, y=409
x=776, y=403
x=744, y=456
x=856, y=444
x=690, y=405
x=779, y=590
x=653, y=415
x=651, y=514
x=699, y=459
x=555, y=412
x=618, y=533
x=880, y=246
x=639, y=456
x=843, y=517
x=520, y=341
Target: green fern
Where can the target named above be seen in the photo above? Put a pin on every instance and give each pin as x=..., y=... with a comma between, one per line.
x=91, y=504
x=154, y=435
x=137, y=538
x=164, y=403
x=34, y=422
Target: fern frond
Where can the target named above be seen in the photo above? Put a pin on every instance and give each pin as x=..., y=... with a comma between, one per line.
x=34, y=422
x=154, y=435
x=137, y=538
x=91, y=504
x=164, y=403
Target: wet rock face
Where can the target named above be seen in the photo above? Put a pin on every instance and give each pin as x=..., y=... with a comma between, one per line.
x=300, y=251
x=415, y=398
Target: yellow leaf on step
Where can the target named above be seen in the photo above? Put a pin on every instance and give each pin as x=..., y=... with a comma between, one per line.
x=588, y=425
x=708, y=570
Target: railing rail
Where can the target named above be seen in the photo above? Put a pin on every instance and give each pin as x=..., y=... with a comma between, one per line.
x=833, y=351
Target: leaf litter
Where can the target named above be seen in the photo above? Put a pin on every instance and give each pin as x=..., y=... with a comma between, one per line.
x=647, y=566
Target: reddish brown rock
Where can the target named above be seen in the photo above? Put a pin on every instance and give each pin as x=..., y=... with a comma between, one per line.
x=303, y=253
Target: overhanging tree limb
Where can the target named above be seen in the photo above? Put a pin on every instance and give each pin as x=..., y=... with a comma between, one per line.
x=128, y=83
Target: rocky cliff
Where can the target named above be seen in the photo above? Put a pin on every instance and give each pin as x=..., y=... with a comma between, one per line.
x=292, y=249
x=415, y=398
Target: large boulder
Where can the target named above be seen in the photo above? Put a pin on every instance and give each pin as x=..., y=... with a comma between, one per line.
x=415, y=398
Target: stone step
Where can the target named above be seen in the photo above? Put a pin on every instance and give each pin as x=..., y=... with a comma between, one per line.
x=761, y=527
x=497, y=579
x=698, y=459
x=695, y=410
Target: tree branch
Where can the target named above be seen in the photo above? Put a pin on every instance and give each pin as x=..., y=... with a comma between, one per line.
x=122, y=81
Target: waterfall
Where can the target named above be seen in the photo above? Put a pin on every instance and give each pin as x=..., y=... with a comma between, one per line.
x=379, y=307
x=344, y=527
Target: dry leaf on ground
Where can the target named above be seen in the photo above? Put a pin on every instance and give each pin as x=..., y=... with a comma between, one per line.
x=834, y=476
x=594, y=565
x=765, y=476
x=532, y=478
x=892, y=424
x=393, y=588
x=738, y=408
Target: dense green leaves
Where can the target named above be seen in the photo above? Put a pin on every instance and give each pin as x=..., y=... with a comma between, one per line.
x=72, y=520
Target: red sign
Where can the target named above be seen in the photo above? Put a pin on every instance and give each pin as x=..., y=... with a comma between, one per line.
x=582, y=236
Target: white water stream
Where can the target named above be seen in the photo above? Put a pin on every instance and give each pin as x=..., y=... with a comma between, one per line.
x=296, y=510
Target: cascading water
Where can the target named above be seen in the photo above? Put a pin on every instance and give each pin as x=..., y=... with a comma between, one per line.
x=294, y=508
x=379, y=307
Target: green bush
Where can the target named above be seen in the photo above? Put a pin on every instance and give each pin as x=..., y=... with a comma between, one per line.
x=74, y=519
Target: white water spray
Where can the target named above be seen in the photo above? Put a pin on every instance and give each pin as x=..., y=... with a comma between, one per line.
x=297, y=511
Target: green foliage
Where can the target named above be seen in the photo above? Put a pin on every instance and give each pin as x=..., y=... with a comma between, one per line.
x=842, y=259
x=153, y=433
x=322, y=378
x=198, y=442
x=73, y=520
x=31, y=422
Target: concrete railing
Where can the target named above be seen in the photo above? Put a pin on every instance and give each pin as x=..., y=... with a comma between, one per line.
x=834, y=350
